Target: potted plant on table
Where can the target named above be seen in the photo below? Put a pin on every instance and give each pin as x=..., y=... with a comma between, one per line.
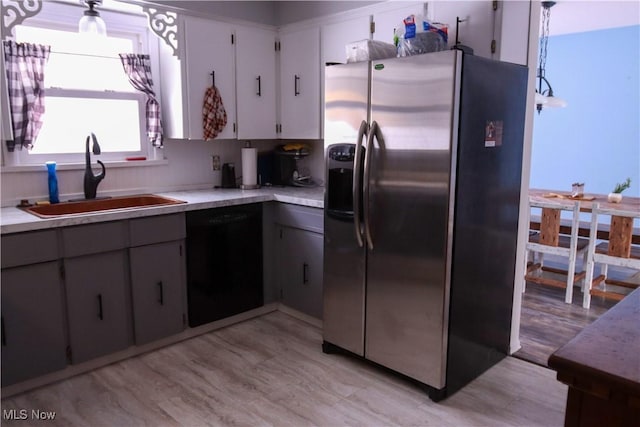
x=616, y=195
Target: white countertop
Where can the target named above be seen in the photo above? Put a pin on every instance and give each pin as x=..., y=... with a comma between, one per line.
x=14, y=220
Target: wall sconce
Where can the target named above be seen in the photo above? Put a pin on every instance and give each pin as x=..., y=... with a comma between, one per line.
x=544, y=93
x=91, y=23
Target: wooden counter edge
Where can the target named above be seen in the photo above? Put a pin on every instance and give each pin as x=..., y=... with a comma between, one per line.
x=594, y=380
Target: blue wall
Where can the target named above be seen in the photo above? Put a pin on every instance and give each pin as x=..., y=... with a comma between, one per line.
x=596, y=138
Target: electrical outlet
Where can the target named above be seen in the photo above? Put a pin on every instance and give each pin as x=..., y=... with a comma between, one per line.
x=215, y=162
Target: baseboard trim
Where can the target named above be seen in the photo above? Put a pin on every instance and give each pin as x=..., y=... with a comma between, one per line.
x=300, y=315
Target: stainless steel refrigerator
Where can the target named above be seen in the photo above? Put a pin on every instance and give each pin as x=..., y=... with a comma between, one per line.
x=423, y=169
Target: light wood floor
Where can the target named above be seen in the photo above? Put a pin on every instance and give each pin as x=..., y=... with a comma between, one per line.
x=271, y=371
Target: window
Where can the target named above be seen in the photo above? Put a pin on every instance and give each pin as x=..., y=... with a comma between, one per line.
x=86, y=91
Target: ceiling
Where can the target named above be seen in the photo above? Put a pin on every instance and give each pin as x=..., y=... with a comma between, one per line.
x=567, y=16
x=576, y=16
x=266, y=12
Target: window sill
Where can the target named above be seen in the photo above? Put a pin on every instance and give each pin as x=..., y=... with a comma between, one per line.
x=81, y=166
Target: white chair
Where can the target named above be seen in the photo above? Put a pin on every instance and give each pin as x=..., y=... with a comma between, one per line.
x=617, y=251
x=550, y=241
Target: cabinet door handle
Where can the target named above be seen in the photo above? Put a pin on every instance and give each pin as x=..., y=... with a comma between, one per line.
x=100, y=314
x=161, y=288
x=4, y=335
x=305, y=270
x=296, y=80
x=259, y=87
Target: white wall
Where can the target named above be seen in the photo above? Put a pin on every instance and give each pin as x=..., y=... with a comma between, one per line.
x=188, y=167
x=512, y=38
x=518, y=37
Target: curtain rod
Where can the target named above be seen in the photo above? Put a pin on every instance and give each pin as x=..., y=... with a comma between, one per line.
x=92, y=56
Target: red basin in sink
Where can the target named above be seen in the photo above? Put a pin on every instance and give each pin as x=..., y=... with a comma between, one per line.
x=96, y=205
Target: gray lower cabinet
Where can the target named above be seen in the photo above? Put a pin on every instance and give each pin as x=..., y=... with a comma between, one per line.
x=300, y=254
x=299, y=245
x=33, y=319
x=98, y=293
x=33, y=339
x=76, y=293
x=157, y=278
x=97, y=304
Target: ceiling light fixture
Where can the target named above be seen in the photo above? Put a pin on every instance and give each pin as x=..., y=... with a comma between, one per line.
x=544, y=94
x=91, y=23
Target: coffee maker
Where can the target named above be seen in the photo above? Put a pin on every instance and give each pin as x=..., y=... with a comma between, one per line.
x=285, y=165
x=229, y=176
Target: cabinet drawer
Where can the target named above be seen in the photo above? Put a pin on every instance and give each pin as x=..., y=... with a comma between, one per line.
x=157, y=229
x=303, y=217
x=94, y=238
x=29, y=248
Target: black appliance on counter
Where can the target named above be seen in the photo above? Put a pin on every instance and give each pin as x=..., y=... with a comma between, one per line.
x=224, y=262
x=285, y=166
x=228, y=176
x=265, y=168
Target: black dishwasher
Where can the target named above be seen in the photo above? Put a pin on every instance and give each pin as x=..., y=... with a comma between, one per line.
x=224, y=262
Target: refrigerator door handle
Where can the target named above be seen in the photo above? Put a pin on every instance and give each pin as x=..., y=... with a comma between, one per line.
x=367, y=166
x=357, y=191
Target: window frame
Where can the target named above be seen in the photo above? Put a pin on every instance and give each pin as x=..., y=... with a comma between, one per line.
x=132, y=25
x=26, y=158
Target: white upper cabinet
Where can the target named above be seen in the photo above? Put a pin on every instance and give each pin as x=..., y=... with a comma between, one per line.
x=208, y=49
x=256, y=82
x=265, y=99
x=477, y=29
x=300, y=84
x=387, y=21
x=336, y=36
x=206, y=46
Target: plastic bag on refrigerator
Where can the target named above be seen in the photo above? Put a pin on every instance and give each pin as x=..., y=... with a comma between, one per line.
x=417, y=35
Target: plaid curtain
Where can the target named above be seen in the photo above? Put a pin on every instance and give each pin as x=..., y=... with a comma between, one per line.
x=24, y=63
x=138, y=70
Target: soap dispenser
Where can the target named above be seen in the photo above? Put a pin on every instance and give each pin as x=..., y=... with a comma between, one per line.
x=53, y=182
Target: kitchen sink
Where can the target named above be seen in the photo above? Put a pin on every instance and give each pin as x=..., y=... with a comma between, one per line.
x=97, y=205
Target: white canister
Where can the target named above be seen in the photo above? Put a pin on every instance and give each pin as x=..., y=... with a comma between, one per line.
x=249, y=167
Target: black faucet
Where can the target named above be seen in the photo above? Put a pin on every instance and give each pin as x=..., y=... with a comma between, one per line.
x=91, y=181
